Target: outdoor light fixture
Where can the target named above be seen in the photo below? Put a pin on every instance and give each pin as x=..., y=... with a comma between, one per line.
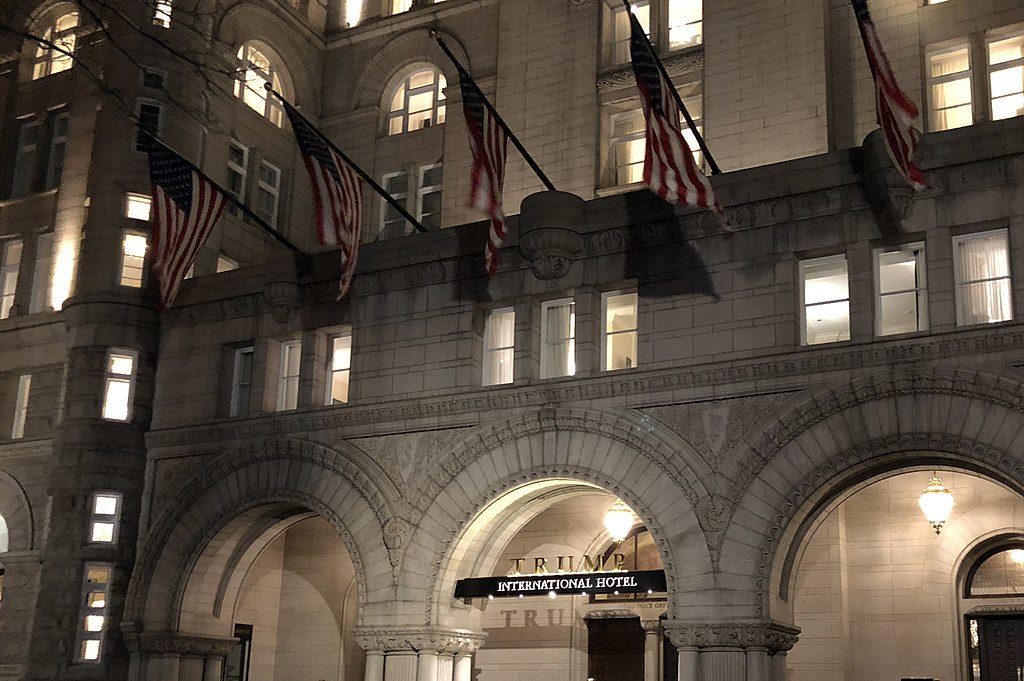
x=618, y=520
x=936, y=502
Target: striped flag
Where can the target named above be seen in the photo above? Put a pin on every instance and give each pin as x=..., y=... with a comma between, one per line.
x=337, y=194
x=894, y=109
x=669, y=167
x=186, y=206
x=488, y=141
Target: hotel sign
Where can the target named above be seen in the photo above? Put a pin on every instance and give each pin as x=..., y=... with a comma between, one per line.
x=563, y=584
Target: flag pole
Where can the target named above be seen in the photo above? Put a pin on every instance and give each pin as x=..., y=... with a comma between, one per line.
x=241, y=206
x=464, y=75
x=675, y=94
x=359, y=171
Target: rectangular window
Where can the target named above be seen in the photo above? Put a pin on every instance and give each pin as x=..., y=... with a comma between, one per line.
x=824, y=300
x=268, y=189
x=558, y=338
x=133, y=259
x=238, y=164
x=428, y=200
x=981, y=263
x=288, y=385
x=162, y=13
x=58, y=145
x=119, y=387
x=685, y=25
x=26, y=158
x=149, y=122
x=93, y=618
x=104, y=517
x=621, y=30
x=10, y=265
x=949, y=88
x=41, y=273
x=241, y=381
x=620, y=330
x=392, y=223
x=901, y=291
x=21, y=406
x=499, y=346
x=627, y=147
x=136, y=206
x=1006, y=76
x=399, y=6
x=339, y=367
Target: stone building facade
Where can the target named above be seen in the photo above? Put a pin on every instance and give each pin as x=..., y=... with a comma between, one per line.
x=265, y=482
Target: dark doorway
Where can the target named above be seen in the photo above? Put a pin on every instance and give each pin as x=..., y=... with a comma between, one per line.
x=615, y=649
x=670, y=661
x=1001, y=648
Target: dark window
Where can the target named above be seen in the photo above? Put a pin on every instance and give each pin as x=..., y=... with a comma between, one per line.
x=149, y=121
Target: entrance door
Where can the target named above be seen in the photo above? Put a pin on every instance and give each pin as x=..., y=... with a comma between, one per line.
x=1002, y=649
x=615, y=649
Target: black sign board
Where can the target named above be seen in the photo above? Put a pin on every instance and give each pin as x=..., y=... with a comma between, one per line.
x=563, y=584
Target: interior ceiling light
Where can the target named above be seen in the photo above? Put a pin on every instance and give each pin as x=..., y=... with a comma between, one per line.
x=618, y=520
x=936, y=502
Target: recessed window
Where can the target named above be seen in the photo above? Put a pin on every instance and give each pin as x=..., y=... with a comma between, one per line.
x=417, y=101
x=136, y=206
x=1001, y=573
x=949, y=88
x=133, y=259
x=620, y=330
x=981, y=263
x=428, y=199
x=60, y=33
x=499, y=346
x=670, y=24
x=901, y=290
x=268, y=192
x=26, y=158
x=558, y=338
x=258, y=71
x=41, y=273
x=119, y=385
x=58, y=145
x=288, y=382
x=93, y=617
x=10, y=266
x=21, y=406
x=825, y=300
x=1006, y=76
x=392, y=222
x=104, y=517
x=149, y=123
x=621, y=30
x=241, y=381
x=238, y=171
x=421, y=198
x=399, y=6
x=339, y=367
x=685, y=23
x=162, y=13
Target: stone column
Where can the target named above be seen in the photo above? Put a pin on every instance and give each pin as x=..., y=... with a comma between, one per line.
x=400, y=665
x=163, y=667
x=722, y=664
x=730, y=651
x=652, y=644
x=426, y=666
x=374, y=666
x=213, y=670
x=445, y=667
x=463, y=667
x=779, y=671
x=757, y=665
x=191, y=668
x=688, y=661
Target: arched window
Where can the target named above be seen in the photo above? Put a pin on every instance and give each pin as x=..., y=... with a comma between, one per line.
x=416, y=100
x=60, y=31
x=997, y=573
x=257, y=70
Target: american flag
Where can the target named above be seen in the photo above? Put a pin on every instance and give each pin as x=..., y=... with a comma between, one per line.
x=895, y=110
x=186, y=206
x=337, y=194
x=488, y=142
x=669, y=167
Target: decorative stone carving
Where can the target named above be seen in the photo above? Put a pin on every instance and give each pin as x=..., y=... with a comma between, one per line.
x=171, y=643
x=679, y=64
x=433, y=639
x=580, y=5
x=281, y=288
x=396, y=532
x=549, y=232
x=891, y=198
x=768, y=635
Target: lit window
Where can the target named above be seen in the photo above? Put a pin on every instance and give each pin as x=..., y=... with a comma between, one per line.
x=10, y=265
x=1006, y=77
x=241, y=381
x=268, y=190
x=149, y=122
x=339, y=366
x=26, y=159
x=417, y=101
x=41, y=273
x=21, y=406
x=133, y=259
x=162, y=13
x=399, y=6
x=392, y=222
x=119, y=388
x=136, y=206
x=825, y=300
x=499, y=346
x=58, y=144
x=238, y=164
x=226, y=264
x=934, y=2
x=428, y=199
x=93, y=618
x=685, y=24
x=257, y=72
x=60, y=33
x=620, y=330
x=949, y=88
x=288, y=385
x=558, y=338
x=982, y=266
x=901, y=289
x=104, y=517
x=621, y=31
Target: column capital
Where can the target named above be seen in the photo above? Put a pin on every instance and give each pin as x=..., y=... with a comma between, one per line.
x=765, y=635
x=650, y=626
x=415, y=639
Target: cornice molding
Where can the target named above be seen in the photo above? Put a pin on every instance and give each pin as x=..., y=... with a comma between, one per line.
x=416, y=639
x=771, y=636
x=679, y=64
x=171, y=643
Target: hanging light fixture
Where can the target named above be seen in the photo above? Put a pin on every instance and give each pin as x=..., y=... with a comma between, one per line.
x=618, y=520
x=1017, y=556
x=936, y=502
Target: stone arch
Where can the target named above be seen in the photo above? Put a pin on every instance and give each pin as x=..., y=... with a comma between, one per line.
x=405, y=49
x=620, y=452
x=841, y=437
x=288, y=477
x=16, y=511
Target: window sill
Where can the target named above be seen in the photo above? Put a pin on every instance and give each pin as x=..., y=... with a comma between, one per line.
x=32, y=196
x=602, y=192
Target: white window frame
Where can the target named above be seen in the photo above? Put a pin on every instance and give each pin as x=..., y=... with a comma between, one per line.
x=920, y=290
x=133, y=202
x=614, y=142
x=438, y=105
x=273, y=190
x=110, y=377
x=10, y=269
x=606, y=334
x=489, y=349
x=545, y=371
x=21, y=406
x=42, y=273
x=332, y=370
x=1002, y=66
x=124, y=272
x=237, y=408
x=162, y=10
x=26, y=158
x=46, y=60
x=55, y=160
x=242, y=171
x=283, y=377
x=422, y=189
x=958, y=285
x=802, y=279
x=112, y=519
x=931, y=81
x=88, y=611
x=401, y=197
x=271, y=109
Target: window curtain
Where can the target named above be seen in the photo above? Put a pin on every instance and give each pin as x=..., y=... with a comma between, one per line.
x=558, y=346
x=984, y=280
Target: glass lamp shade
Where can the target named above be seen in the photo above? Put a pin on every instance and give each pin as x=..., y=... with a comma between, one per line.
x=936, y=502
x=618, y=520
x=1017, y=556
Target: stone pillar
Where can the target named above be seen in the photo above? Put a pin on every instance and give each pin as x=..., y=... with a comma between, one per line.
x=426, y=666
x=463, y=667
x=163, y=667
x=757, y=665
x=400, y=665
x=731, y=651
x=374, y=666
x=688, y=661
x=213, y=670
x=652, y=646
x=191, y=668
x=445, y=667
x=779, y=671
x=723, y=664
